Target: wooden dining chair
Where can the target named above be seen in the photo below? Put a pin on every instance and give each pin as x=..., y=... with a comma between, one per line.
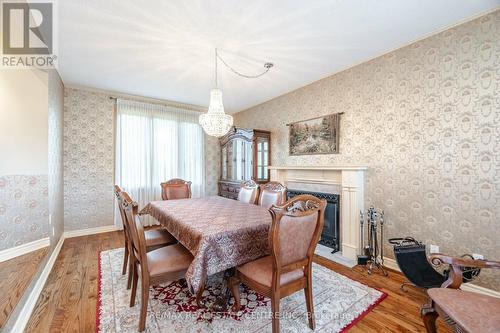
x=155, y=238
x=165, y=264
x=126, y=237
x=463, y=311
x=176, y=189
x=249, y=192
x=272, y=193
x=294, y=234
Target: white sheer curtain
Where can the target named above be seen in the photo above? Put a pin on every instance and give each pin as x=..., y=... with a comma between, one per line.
x=155, y=143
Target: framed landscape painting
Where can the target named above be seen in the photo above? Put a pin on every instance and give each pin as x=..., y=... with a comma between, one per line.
x=315, y=136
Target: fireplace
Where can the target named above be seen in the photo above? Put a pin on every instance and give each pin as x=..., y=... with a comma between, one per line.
x=330, y=235
x=345, y=181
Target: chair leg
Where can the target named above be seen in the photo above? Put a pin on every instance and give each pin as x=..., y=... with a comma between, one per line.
x=131, y=269
x=144, y=305
x=275, y=308
x=125, y=260
x=135, y=277
x=309, y=302
x=429, y=316
x=234, y=284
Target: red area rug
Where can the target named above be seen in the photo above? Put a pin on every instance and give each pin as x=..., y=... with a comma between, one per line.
x=339, y=303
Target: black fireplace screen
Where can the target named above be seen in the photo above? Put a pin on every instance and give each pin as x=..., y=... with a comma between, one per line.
x=331, y=230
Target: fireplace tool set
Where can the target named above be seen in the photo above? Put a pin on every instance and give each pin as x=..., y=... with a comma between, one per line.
x=373, y=252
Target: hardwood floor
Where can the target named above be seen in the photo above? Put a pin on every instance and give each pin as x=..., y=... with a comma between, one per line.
x=68, y=300
x=15, y=276
x=399, y=312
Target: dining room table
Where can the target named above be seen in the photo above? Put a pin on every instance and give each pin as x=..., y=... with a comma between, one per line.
x=220, y=233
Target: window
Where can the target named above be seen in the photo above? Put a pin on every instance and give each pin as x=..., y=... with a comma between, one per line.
x=156, y=143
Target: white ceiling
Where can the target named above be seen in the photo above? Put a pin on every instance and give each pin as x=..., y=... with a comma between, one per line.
x=164, y=49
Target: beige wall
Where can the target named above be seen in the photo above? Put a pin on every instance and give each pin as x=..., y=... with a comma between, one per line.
x=31, y=173
x=89, y=159
x=24, y=211
x=23, y=122
x=426, y=120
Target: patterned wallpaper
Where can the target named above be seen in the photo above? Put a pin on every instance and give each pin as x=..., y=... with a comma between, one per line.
x=24, y=209
x=212, y=165
x=89, y=159
x=425, y=119
x=56, y=181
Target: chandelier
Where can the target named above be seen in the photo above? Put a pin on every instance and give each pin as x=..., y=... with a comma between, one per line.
x=215, y=122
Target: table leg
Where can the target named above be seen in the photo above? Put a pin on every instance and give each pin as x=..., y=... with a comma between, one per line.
x=221, y=304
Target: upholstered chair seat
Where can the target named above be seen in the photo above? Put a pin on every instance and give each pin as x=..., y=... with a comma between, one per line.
x=272, y=193
x=179, y=259
x=457, y=305
x=175, y=189
x=249, y=192
x=158, y=237
x=261, y=271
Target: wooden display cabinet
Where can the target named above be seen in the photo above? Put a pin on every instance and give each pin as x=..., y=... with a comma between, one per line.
x=245, y=154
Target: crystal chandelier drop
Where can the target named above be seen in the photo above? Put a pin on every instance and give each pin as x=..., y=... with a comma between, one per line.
x=215, y=122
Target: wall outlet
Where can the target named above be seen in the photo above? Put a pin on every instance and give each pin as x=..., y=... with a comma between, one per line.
x=477, y=256
x=433, y=248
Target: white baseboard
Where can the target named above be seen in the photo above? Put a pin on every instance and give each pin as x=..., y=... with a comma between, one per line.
x=89, y=231
x=17, y=251
x=29, y=306
x=326, y=252
x=392, y=264
x=480, y=290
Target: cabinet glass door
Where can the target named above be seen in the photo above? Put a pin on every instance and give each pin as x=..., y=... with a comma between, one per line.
x=262, y=159
x=237, y=160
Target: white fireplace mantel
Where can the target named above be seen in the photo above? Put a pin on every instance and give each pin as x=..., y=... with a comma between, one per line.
x=348, y=181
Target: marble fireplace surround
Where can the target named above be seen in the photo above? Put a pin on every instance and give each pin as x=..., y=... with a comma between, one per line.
x=348, y=182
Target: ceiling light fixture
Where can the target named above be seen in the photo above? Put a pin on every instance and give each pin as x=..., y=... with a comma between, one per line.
x=215, y=122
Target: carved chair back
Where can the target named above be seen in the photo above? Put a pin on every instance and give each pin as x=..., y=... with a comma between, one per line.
x=272, y=193
x=295, y=232
x=119, y=199
x=249, y=192
x=175, y=189
x=141, y=249
x=130, y=208
x=455, y=265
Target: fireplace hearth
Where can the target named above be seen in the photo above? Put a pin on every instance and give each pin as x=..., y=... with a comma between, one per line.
x=330, y=235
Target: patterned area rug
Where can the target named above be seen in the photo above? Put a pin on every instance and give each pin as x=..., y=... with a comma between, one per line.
x=339, y=302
